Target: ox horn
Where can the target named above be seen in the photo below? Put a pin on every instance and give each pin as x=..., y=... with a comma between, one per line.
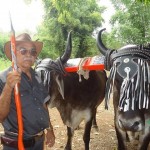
x=100, y=44
x=68, y=50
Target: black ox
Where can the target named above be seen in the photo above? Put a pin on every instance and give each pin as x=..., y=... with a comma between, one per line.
x=130, y=81
x=76, y=101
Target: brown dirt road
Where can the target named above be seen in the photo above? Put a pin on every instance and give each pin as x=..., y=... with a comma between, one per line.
x=104, y=139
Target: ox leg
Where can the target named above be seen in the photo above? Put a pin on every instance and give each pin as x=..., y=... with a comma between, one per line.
x=86, y=136
x=70, y=133
x=121, y=139
x=94, y=122
x=145, y=143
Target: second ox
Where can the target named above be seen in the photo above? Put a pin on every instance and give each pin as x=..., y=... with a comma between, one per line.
x=76, y=101
x=130, y=81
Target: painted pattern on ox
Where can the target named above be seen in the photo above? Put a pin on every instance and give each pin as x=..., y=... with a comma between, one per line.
x=129, y=80
x=75, y=101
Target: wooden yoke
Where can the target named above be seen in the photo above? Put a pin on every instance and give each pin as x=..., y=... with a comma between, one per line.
x=88, y=63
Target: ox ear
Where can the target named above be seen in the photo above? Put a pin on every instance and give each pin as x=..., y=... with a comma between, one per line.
x=60, y=84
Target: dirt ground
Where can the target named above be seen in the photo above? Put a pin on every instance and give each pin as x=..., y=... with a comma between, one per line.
x=104, y=139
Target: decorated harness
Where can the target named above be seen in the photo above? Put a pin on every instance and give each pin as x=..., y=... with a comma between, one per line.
x=46, y=66
x=131, y=65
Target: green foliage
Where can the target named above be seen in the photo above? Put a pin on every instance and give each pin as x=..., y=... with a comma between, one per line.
x=3, y=39
x=4, y=63
x=131, y=23
x=144, y=1
x=62, y=16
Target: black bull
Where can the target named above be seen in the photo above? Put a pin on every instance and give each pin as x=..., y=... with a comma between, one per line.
x=130, y=81
x=76, y=101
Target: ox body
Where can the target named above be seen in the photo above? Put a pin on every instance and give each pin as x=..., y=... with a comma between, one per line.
x=130, y=81
x=76, y=101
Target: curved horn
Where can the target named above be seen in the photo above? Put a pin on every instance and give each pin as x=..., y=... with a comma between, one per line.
x=68, y=50
x=100, y=44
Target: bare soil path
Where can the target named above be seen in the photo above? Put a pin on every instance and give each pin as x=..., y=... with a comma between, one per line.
x=104, y=139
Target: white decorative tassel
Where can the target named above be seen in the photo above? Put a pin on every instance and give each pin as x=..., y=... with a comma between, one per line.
x=80, y=71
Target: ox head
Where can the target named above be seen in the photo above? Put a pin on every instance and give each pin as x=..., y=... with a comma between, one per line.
x=130, y=81
x=51, y=71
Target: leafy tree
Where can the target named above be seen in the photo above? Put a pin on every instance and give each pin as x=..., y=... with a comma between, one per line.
x=144, y=1
x=131, y=23
x=3, y=38
x=62, y=16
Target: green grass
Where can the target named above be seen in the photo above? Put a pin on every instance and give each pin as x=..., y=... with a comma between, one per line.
x=4, y=64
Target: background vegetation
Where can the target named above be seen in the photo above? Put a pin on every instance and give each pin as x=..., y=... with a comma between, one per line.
x=129, y=25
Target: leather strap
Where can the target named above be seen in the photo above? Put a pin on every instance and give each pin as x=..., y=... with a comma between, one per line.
x=11, y=142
